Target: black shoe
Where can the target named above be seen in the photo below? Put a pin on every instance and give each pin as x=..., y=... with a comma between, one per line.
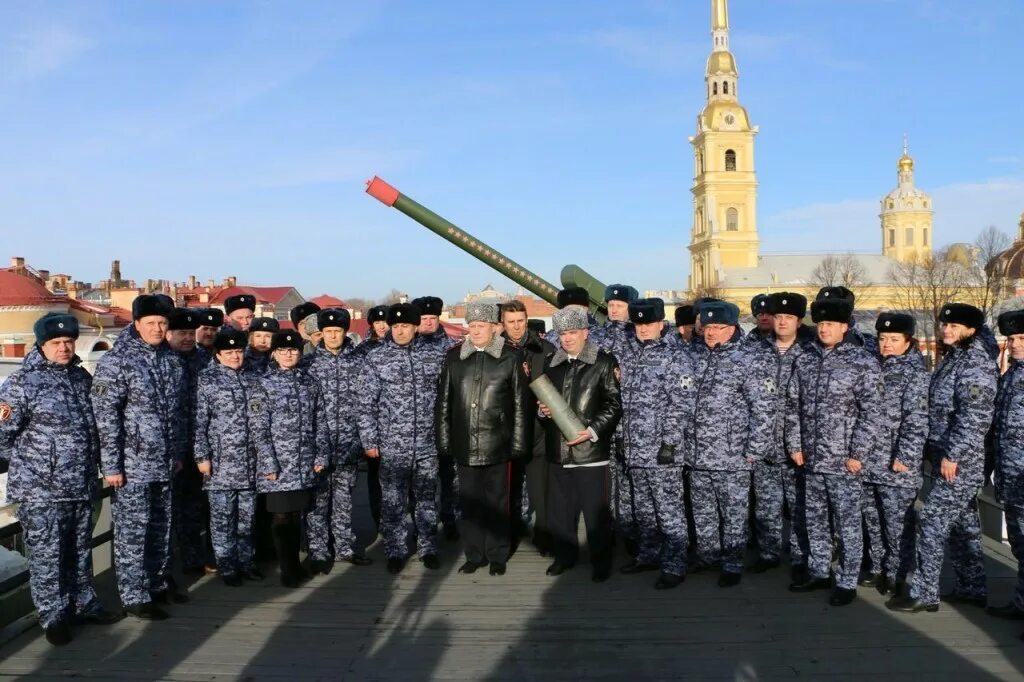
x=99, y=617
x=1007, y=612
x=232, y=580
x=899, y=589
x=910, y=605
x=497, y=568
x=198, y=569
x=632, y=547
x=431, y=562
x=798, y=573
x=884, y=585
x=810, y=585
x=169, y=596
x=451, y=532
x=59, y=633
x=395, y=566
x=253, y=574
x=557, y=568
x=957, y=598
x=729, y=579
x=842, y=596
x=666, y=581
x=601, y=574
x=357, y=560
x=147, y=611
x=470, y=567
x=763, y=565
x=868, y=580
x=638, y=567
x=320, y=566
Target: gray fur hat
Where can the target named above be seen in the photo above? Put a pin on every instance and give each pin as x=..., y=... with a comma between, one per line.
x=310, y=324
x=482, y=311
x=569, y=318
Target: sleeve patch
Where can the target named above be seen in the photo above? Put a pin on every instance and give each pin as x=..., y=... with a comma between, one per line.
x=686, y=382
x=5, y=412
x=256, y=406
x=770, y=385
x=975, y=392
x=99, y=388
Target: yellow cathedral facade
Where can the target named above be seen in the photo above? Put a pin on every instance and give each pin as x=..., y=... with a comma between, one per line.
x=725, y=256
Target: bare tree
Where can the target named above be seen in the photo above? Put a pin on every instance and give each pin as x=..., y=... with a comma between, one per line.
x=394, y=296
x=844, y=270
x=360, y=304
x=989, y=272
x=707, y=292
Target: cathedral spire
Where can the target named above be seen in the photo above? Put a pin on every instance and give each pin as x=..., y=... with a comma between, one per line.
x=720, y=25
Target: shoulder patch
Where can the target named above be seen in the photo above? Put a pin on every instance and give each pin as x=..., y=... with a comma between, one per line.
x=975, y=391
x=5, y=412
x=99, y=388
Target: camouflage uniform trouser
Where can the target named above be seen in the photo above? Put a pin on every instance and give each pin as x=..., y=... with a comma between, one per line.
x=232, y=513
x=889, y=529
x=58, y=536
x=142, y=540
x=329, y=531
x=189, y=516
x=838, y=496
x=660, y=517
x=720, y=502
x=623, y=502
x=449, y=490
x=399, y=477
x=1015, y=534
x=950, y=511
x=779, y=488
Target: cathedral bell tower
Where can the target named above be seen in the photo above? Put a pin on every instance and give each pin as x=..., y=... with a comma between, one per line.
x=906, y=216
x=724, y=234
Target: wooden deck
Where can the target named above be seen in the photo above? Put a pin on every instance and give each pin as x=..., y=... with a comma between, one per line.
x=363, y=624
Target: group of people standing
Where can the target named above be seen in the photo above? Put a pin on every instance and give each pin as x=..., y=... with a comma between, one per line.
x=206, y=423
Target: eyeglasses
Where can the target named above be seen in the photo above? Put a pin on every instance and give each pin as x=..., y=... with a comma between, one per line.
x=287, y=350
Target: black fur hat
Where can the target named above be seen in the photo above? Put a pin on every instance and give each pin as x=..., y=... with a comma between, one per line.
x=428, y=305
x=1011, y=322
x=378, y=313
x=787, y=303
x=719, y=312
x=573, y=296
x=646, y=310
x=403, y=313
x=896, y=323
x=265, y=324
x=148, y=304
x=833, y=293
x=239, y=301
x=302, y=311
x=183, y=319
x=333, y=317
x=759, y=305
x=685, y=316
x=229, y=339
x=54, y=326
x=538, y=326
x=211, y=317
x=287, y=339
x=962, y=313
x=831, y=310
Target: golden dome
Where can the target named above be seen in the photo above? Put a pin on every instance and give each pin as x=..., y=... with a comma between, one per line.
x=721, y=62
x=906, y=163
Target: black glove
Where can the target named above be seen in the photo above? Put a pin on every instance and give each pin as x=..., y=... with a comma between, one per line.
x=666, y=454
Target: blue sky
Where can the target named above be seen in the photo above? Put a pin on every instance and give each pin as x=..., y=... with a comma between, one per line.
x=233, y=138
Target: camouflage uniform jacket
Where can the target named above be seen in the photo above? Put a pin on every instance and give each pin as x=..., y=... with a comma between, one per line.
x=1009, y=436
x=339, y=382
x=223, y=433
x=783, y=363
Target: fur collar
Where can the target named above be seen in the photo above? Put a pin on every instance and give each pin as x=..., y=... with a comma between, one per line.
x=587, y=355
x=493, y=348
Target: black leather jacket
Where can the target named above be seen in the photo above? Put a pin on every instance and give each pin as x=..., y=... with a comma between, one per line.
x=485, y=411
x=590, y=387
x=537, y=353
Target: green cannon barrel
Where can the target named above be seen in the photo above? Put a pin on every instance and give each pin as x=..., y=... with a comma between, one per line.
x=390, y=196
x=575, y=276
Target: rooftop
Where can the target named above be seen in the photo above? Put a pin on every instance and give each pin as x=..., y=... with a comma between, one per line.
x=796, y=270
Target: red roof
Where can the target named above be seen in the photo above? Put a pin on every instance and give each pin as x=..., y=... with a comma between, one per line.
x=18, y=289
x=454, y=331
x=328, y=301
x=264, y=295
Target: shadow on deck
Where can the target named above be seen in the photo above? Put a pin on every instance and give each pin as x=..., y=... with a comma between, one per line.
x=364, y=624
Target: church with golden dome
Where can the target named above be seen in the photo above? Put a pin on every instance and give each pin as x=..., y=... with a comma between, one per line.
x=725, y=256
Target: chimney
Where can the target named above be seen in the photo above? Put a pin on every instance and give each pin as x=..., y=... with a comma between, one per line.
x=210, y=284
x=230, y=281
x=191, y=281
x=17, y=262
x=44, y=275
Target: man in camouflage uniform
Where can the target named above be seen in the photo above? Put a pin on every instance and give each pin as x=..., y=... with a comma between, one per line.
x=210, y=322
x=225, y=456
x=336, y=365
x=138, y=397
x=431, y=336
x=685, y=319
x=240, y=310
x=48, y=434
x=961, y=406
x=893, y=479
x=778, y=482
x=869, y=341
x=762, y=314
x=190, y=514
x=377, y=317
x=257, y=353
x=658, y=390
x=615, y=329
x=303, y=317
x=398, y=388
x=732, y=426
x=1009, y=454
x=833, y=418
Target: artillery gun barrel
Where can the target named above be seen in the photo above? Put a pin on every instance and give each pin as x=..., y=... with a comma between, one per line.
x=390, y=196
x=575, y=276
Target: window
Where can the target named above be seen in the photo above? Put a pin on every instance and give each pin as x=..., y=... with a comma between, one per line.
x=730, y=160
x=725, y=88
x=909, y=238
x=732, y=219
x=700, y=221
x=714, y=88
x=891, y=204
x=924, y=238
x=892, y=237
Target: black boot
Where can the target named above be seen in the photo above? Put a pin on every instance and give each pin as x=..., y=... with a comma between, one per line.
x=281, y=549
x=59, y=633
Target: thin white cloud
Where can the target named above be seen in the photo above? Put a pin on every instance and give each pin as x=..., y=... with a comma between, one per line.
x=36, y=52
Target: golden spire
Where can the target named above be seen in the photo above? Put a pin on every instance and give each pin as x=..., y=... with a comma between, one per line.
x=719, y=15
x=906, y=163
